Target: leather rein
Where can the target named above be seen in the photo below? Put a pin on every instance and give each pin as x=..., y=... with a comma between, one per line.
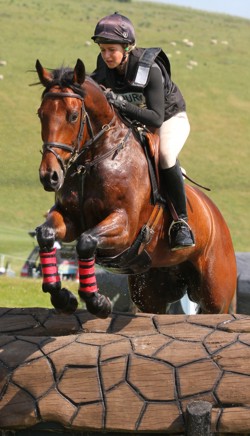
x=75, y=150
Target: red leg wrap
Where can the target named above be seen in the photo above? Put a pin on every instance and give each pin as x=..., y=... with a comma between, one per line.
x=51, y=278
x=87, y=277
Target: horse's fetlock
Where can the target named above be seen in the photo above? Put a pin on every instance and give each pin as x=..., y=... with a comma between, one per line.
x=51, y=287
x=64, y=301
x=45, y=237
x=87, y=296
x=97, y=304
x=86, y=246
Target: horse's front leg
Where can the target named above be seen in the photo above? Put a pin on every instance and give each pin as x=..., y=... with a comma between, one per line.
x=62, y=299
x=110, y=233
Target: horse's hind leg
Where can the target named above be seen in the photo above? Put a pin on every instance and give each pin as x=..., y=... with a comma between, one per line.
x=217, y=290
x=155, y=290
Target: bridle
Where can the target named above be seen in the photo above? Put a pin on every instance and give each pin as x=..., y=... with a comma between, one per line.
x=76, y=152
x=74, y=149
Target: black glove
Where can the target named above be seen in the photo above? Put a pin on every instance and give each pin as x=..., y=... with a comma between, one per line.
x=116, y=100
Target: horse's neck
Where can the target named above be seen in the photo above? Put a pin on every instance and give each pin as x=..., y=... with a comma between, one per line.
x=102, y=116
x=100, y=113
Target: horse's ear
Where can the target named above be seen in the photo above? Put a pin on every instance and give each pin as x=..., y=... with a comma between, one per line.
x=44, y=75
x=79, y=72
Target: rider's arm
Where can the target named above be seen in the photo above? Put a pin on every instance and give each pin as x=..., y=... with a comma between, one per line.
x=153, y=114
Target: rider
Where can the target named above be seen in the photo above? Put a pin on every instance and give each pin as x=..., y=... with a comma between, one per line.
x=140, y=87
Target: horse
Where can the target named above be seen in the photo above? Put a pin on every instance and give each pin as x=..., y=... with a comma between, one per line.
x=95, y=164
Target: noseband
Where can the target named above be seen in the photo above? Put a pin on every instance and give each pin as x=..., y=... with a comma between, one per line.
x=75, y=149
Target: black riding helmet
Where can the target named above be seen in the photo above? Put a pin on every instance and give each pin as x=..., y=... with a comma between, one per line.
x=114, y=28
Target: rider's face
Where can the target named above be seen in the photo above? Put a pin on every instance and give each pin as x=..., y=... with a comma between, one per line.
x=112, y=54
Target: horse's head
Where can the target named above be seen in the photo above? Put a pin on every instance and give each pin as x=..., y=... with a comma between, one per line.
x=65, y=121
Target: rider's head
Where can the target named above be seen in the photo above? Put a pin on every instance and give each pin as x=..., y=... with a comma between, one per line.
x=115, y=30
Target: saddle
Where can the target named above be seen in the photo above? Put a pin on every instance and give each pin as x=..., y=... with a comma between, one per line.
x=151, y=144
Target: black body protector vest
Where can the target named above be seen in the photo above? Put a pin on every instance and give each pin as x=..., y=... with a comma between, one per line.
x=137, y=76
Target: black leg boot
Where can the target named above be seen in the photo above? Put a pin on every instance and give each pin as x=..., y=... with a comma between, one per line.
x=180, y=234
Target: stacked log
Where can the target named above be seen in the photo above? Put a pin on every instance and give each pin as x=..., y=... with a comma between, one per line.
x=128, y=373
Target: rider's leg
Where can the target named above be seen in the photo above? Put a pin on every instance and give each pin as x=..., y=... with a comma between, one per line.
x=173, y=135
x=180, y=234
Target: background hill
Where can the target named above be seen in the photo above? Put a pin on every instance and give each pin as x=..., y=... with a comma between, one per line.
x=212, y=72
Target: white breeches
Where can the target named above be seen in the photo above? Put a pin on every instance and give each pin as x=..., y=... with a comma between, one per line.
x=173, y=135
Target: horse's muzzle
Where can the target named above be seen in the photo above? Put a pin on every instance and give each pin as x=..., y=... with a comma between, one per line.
x=51, y=180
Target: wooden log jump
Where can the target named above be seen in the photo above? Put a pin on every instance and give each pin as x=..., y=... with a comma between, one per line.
x=128, y=373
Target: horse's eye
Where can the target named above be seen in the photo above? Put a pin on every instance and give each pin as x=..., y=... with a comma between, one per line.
x=39, y=114
x=73, y=117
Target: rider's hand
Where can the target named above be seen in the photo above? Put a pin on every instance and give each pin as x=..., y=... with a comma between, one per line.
x=116, y=100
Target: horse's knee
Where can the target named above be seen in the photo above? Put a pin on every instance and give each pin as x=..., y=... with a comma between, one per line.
x=86, y=246
x=45, y=237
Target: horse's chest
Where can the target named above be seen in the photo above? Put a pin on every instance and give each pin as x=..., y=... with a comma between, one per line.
x=68, y=198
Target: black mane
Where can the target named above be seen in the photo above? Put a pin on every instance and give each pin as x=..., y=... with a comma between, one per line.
x=63, y=77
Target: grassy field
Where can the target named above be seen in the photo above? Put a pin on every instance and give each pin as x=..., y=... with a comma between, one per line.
x=20, y=292
x=212, y=76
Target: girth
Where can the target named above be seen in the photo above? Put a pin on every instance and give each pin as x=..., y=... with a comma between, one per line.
x=135, y=259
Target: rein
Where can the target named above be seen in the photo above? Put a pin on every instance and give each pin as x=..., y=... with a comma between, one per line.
x=83, y=169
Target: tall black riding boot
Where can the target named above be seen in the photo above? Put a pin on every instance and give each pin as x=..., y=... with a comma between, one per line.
x=180, y=234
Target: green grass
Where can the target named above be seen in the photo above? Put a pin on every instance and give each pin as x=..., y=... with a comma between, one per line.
x=21, y=292
x=216, y=90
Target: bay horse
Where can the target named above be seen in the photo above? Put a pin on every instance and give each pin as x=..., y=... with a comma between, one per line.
x=98, y=170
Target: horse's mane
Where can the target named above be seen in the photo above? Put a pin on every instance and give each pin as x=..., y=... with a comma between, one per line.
x=63, y=77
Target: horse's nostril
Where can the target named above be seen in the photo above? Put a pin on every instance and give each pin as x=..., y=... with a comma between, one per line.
x=54, y=177
x=51, y=180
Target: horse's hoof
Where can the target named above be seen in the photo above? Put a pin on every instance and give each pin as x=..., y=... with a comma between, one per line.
x=97, y=304
x=64, y=301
